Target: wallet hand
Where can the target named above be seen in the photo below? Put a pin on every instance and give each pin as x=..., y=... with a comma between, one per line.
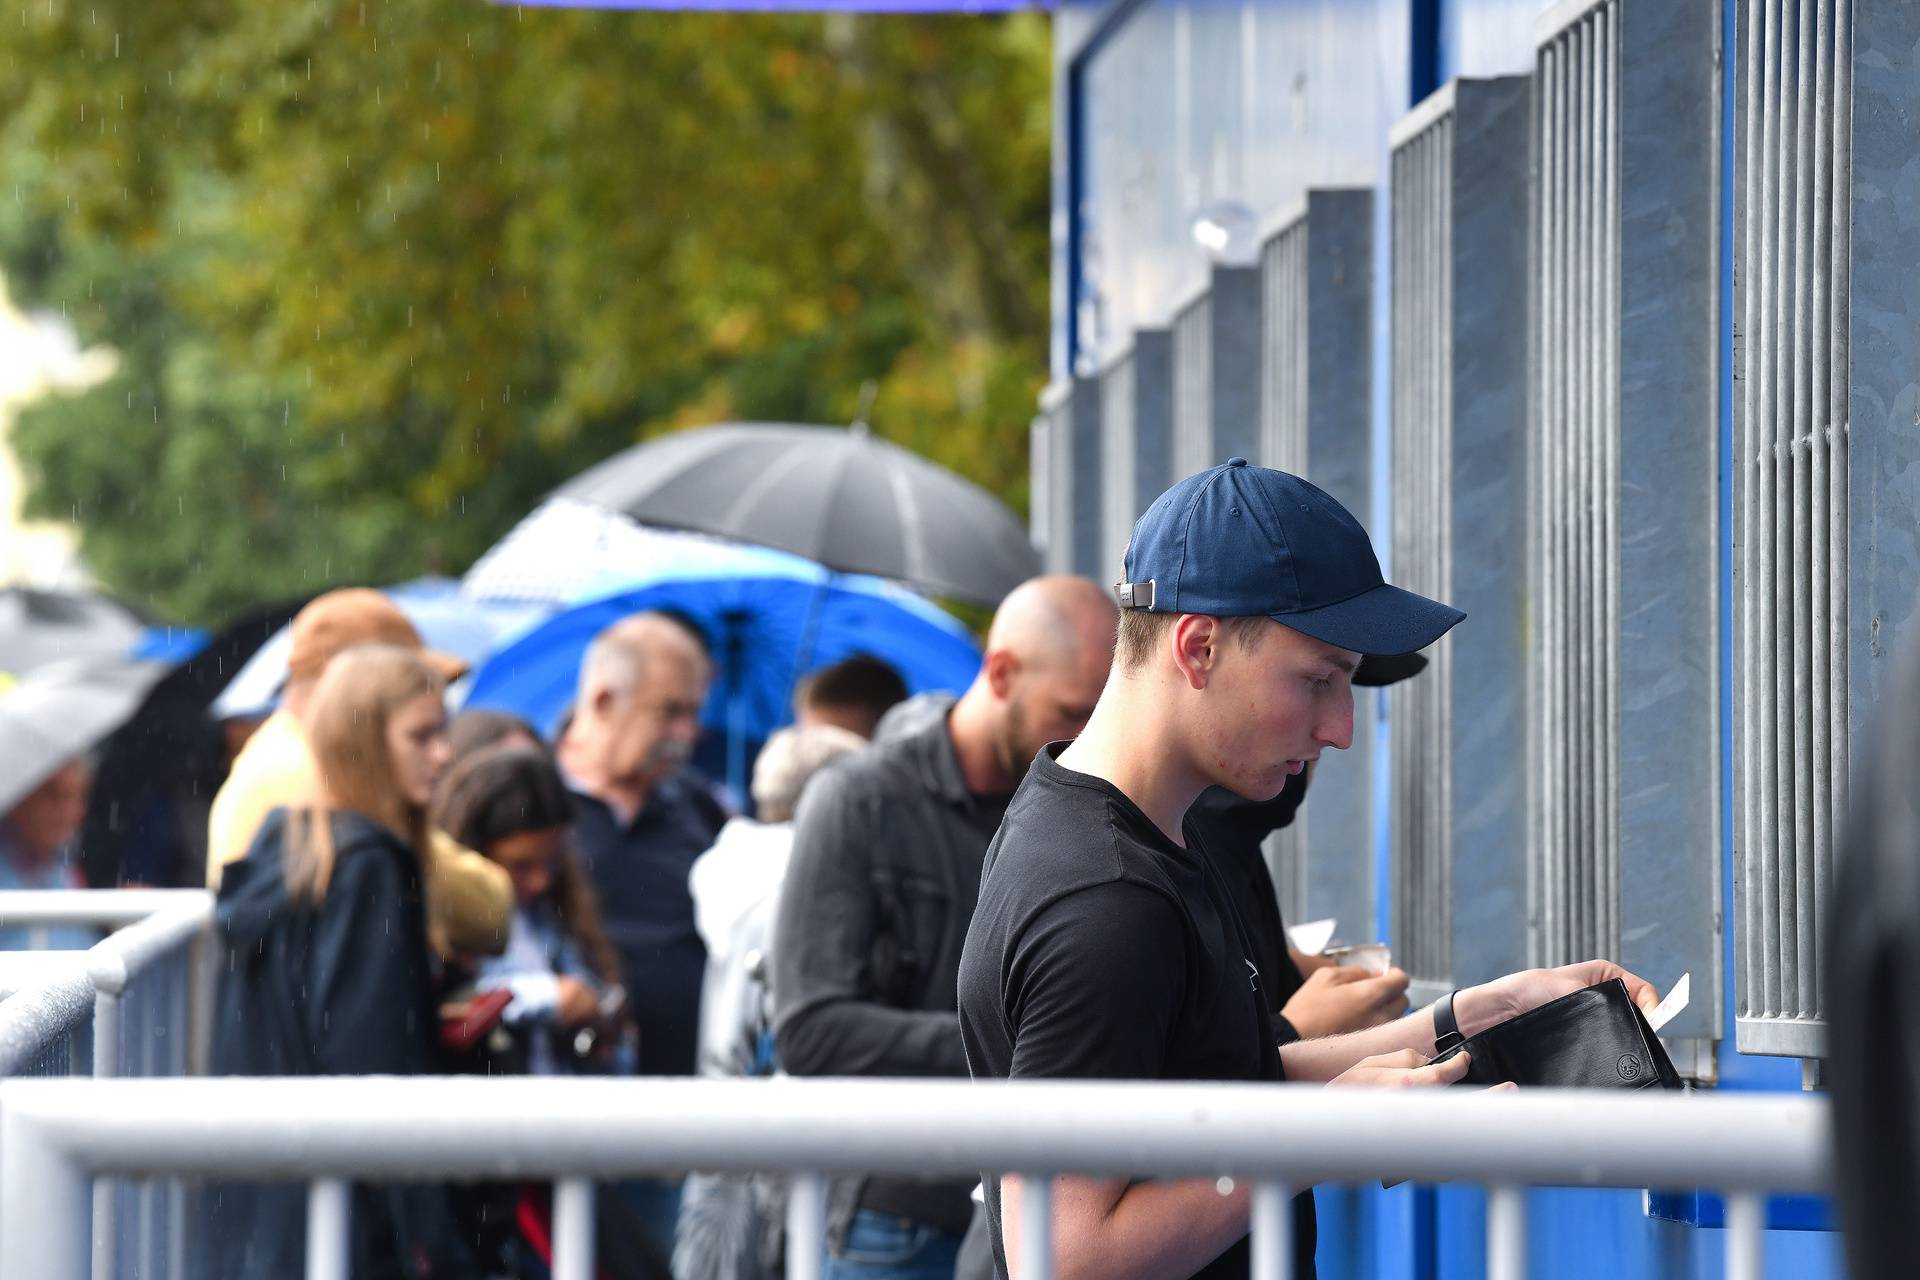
x=1406, y=1069
x=1478, y=1008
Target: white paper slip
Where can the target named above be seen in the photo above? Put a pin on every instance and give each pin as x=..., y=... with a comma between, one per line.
x=1311, y=938
x=1669, y=1009
x=1374, y=957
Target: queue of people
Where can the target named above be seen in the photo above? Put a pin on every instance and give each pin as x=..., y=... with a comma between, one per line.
x=1055, y=872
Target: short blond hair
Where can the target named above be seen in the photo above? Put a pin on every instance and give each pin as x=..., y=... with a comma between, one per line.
x=1141, y=630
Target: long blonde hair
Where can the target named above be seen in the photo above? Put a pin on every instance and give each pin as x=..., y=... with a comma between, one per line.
x=347, y=729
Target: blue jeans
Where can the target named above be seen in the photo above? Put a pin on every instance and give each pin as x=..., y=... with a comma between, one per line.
x=880, y=1247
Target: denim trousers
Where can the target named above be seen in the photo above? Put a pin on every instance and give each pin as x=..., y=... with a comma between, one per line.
x=882, y=1247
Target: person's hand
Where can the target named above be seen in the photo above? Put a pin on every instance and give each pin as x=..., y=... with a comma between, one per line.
x=1407, y=1069
x=1477, y=1008
x=579, y=1003
x=1340, y=998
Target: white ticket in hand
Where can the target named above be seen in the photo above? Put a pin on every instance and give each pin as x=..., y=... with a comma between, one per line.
x=1669, y=1009
x=1375, y=957
x=1311, y=938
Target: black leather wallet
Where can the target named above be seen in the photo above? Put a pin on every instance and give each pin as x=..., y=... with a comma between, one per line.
x=1596, y=1038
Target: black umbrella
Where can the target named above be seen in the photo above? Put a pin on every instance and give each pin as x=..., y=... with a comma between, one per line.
x=157, y=774
x=38, y=627
x=837, y=496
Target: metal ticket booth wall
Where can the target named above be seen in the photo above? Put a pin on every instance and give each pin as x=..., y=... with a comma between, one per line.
x=1315, y=414
x=1826, y=466
x=1216, y=373
x=1136, y=422
x=1460, y=273
x=1065, y=459
x=1624, y=795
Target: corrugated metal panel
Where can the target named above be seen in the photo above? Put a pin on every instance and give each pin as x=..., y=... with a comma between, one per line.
x=1578, y=871
x=1193, y=387
x=1216, y=372
x=1459, y=333
x=1118, y=463
x=1624, y=803
x=1316, y=288
x=1067, y=507
x=1136, y=413
x=1827, y=481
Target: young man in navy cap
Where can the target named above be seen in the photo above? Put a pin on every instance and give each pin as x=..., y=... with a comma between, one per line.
x=1105, y=944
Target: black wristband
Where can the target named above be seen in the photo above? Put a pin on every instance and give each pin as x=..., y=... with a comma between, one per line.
x=1446, y=1029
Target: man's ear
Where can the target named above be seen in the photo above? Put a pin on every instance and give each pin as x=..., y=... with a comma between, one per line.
x=1001, y=668
x=1195, y=641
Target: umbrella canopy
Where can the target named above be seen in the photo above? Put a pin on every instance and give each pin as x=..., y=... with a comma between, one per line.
x=156, y=775
x=563, y=548
x=446, y=620
x=39, y=627
x=59, y=711
x=836, y=496
x=769, y=619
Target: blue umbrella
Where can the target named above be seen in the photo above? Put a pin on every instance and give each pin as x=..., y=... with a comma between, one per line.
x=769, y=618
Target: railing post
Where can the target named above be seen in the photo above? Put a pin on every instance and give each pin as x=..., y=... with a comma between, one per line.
x=1036, y=1227
x=107, y=1017
x=1746, y=1217
x=1506, y=1233
x=806, y=1226
x=1272, y=1241
x=43, y=1203
x=573, y=1229
x=202, y=979
x=106, y=1034
x=329, y=1218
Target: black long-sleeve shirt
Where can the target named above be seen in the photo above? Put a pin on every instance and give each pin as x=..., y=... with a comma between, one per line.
x=887, y=850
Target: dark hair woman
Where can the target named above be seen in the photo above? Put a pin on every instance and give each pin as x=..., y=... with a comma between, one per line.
x=328, y=971
x=560, y=972
x=509, y=804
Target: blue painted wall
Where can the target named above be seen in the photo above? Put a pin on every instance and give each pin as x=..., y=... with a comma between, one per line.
x=1381, y=56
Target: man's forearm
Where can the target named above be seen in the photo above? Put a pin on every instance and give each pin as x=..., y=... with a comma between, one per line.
x=1327, y=1057
x=1152, y=1231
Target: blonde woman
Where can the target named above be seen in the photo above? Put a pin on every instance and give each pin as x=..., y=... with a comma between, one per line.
x=328, y=968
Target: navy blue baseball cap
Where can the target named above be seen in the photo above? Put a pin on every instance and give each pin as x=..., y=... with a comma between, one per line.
x=1236, y=541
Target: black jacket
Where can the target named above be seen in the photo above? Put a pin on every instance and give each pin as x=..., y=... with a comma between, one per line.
x=887, y=850
x=344, y=988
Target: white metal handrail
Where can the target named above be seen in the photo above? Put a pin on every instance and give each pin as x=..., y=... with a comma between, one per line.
x=136, y=1003
x=107, y=908
x=158, y=926
x=55, y=1136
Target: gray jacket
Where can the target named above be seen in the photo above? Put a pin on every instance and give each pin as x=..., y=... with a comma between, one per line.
x=887, y=850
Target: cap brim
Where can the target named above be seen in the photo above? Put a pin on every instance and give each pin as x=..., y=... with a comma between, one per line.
x=449, y=667
x=1385, y=621
x=1377, y=670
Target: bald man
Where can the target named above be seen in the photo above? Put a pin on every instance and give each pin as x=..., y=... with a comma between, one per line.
x=886, y=863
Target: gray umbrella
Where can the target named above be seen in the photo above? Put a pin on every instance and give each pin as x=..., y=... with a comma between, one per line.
x=38, y=627
x=839, y=497
x=59, y=711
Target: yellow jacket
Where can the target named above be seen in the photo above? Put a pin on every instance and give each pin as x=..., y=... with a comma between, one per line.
x=471, y=898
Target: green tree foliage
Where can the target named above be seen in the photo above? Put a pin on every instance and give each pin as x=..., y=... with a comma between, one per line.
x=381, y=273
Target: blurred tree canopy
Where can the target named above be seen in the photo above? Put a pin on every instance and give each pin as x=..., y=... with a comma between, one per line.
x=381, y=273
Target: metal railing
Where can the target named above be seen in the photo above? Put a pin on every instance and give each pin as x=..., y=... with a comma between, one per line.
x=138, y=1003
x=58, y=1135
